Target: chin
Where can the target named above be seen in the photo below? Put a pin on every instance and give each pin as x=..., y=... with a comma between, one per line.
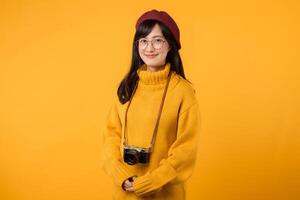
x=152, y=62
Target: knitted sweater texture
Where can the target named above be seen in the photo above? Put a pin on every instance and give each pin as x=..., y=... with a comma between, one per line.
x=174, y=155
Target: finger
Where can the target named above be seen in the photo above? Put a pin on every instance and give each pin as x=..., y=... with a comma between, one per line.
x=130, y=189
x=127, y=183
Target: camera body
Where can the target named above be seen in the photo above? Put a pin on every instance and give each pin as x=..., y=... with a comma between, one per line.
x=134, y=155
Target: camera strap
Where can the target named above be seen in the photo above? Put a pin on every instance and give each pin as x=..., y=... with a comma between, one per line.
x=159, y=112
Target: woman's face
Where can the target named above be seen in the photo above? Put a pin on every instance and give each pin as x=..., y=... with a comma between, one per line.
x=154, y=54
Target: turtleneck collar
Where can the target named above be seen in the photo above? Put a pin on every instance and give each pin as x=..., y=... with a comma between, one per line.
x=153, y=77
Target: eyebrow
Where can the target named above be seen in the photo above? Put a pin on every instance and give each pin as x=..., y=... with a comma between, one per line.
x=156, y=36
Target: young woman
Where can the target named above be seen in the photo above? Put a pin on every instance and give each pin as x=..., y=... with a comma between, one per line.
x=150, y=137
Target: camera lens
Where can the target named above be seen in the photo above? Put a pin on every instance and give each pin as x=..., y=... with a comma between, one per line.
x=131, y=156
x=131, y=159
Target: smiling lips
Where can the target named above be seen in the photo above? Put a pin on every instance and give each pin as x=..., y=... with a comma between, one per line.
x=151, y=55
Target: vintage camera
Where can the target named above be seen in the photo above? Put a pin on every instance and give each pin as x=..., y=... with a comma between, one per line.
x=133, y=155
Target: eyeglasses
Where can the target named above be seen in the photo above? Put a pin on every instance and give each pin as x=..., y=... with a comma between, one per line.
x=157, y=43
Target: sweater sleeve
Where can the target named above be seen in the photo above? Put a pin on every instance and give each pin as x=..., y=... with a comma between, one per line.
x=112, y=163
x=179, y=164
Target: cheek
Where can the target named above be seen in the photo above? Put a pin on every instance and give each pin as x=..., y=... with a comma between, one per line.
x=165, y=51
x=140, y=53
x=164, y=54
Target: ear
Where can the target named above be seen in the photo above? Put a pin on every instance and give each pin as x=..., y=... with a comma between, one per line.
x=169, y=48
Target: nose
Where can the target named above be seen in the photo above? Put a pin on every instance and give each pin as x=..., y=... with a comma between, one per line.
x=149, y=47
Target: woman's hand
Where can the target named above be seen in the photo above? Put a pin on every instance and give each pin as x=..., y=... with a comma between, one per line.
x=128, y=185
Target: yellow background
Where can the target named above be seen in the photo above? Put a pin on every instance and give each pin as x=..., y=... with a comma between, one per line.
x=61, y=62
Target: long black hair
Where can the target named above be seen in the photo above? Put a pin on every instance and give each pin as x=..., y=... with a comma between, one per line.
x=126, y=86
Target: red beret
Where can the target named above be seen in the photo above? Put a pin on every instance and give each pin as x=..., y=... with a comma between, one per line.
x=164, y=18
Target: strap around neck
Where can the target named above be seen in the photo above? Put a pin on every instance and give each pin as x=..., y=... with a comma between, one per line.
x=159, y=112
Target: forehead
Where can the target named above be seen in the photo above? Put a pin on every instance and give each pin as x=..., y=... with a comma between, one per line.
x=155, y=32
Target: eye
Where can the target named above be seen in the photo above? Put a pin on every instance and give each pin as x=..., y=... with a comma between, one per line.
x=142, y=41
x=158, y=40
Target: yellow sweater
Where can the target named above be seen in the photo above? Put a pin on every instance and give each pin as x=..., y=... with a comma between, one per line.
x=173, y=158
